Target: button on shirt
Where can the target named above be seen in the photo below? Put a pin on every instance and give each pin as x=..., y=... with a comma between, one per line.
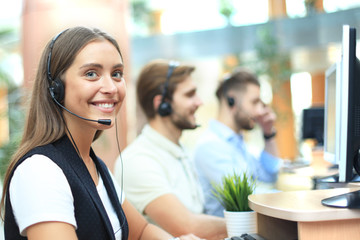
x=154, y=166
x=220, y=151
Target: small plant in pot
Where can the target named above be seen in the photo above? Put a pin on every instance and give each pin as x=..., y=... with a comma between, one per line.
x=232, y=193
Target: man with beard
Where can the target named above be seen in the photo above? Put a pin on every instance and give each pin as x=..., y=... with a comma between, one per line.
x=221, y=149
x=159, y=178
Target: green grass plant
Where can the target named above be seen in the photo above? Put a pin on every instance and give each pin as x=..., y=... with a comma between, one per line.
x=233, y=191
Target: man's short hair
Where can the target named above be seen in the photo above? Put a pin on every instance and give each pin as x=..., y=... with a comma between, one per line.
x=238, y=80
x=151, y=82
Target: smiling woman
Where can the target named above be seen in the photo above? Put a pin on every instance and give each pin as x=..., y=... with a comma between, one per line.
x=100, y=89
x=69, y=191
x=59, y=86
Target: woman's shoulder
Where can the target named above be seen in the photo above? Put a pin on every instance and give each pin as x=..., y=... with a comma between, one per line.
x=37, y=160
x=39, y=167
x=46, y=190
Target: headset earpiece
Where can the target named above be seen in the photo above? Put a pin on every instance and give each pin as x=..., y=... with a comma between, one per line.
x=57, y=90
x=230, y=101
x=165, y=108
x=225, y=90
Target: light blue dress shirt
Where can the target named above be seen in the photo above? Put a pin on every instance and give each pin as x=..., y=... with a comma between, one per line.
x=221, y=151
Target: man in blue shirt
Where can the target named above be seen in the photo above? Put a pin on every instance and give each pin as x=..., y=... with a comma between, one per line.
x=221, y=149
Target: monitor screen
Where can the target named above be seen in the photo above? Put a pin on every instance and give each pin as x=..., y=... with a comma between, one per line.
x=332, y=104
x=342, y=109
x=349, y=140
x=313, y=124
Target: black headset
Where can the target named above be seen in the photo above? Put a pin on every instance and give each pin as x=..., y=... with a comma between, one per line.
x=56, y=86
x=165, y=107
x=230, y=100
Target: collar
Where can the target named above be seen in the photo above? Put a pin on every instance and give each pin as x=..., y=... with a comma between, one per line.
x=224, y=132
x=164, y=143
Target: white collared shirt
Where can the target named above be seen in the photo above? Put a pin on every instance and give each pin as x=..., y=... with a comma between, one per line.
x=154, y=166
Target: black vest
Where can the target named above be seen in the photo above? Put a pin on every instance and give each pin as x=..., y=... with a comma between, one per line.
x=90, y=214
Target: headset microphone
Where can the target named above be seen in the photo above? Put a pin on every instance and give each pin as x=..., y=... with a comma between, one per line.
x=104, y=121
x=101, y=121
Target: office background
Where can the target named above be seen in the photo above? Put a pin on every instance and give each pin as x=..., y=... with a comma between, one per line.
x=289, y=43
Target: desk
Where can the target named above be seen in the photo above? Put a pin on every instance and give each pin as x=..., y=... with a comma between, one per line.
x=300, y=215
x=294, y=178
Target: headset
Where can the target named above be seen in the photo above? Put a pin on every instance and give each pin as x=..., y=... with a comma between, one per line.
x=57, y=89
x=56, y=86
x=230, y=100
x=165, y=107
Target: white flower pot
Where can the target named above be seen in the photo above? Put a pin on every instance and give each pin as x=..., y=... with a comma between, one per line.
x=238, y=223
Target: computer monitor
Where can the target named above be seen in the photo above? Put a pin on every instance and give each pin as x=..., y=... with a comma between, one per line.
x=332, y=113
x=348, y=139
x=313, y=124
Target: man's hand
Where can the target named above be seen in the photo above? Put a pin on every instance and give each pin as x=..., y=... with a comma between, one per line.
x=266, y=120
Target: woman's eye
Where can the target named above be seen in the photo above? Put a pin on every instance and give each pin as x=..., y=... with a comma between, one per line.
x=118, y=74
x=91, y=74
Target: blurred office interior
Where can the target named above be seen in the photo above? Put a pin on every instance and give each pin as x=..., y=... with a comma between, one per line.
x=288, y=43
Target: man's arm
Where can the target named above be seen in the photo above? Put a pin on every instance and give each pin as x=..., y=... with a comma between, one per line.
x=170, y=214
x=266, y=121
x=271, y=147
x=140, y=229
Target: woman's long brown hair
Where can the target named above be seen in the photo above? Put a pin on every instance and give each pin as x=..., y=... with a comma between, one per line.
x=44, y=122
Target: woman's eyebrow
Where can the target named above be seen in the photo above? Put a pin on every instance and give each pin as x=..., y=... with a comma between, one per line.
x=96, y=65
x=120, y=65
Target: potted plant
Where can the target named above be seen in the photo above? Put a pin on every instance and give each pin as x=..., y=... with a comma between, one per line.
x=232, y=193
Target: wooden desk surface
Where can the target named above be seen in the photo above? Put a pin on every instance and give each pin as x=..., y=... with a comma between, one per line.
x=302, y=206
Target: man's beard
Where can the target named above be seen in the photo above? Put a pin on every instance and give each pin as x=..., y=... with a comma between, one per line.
x=181, y=122
x=243, y=121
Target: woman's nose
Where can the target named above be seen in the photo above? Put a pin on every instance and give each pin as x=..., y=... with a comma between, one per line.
x=108, y=85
